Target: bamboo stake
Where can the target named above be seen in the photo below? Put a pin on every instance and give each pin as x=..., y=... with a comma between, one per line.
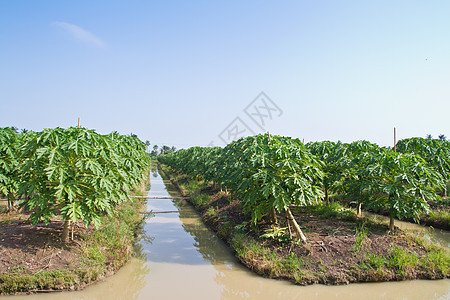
x=272, y=212
x=78, y=122
x=395, y=141
x=294, y=223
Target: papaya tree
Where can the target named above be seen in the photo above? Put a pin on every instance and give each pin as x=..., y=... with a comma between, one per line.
x=272, y=173
x=402, y=183
x=330, y=154
x=435, y=152
x=79, y=174
x=9, y=165
x=355, y=157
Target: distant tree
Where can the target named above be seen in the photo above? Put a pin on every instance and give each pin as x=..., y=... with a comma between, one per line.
x=442, y=137
x=164, y=150
x=154, y=151
x=429, y=137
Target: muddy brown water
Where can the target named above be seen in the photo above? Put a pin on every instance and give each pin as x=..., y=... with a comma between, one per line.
x=179, y=258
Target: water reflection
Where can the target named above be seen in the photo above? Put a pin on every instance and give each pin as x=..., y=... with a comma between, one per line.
x=436, y=236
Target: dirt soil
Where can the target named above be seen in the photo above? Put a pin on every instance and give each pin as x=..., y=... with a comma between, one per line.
x=37, y=248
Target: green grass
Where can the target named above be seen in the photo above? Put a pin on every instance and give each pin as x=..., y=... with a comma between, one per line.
x=15, y=281
x=360, y=239
x=112, y=243
x=332, y=210
x=439, y=215
x=402, y=260
x=437, y=261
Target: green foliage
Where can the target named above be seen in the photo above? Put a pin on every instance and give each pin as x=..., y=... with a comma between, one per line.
x=277, y=233
x=210, y=211
x=272, y=173
x=330, y=153
x=79, y=174
x=10, y=174
x=356, y=157
x=401, y=183
x=264, y=172
x=435, y=152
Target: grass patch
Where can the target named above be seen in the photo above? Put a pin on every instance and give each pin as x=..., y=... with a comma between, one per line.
x=112, y=244
x=439, y=215
x=360, y=239
x=332, y=209
x=402, y=260
x=16, y=281
x=437, y=262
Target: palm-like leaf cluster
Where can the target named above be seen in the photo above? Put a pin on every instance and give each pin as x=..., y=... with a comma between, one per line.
x=376, y=177
x=75, y=172
x=272, y=173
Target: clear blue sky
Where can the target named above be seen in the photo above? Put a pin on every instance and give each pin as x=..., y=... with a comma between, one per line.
x=179, y=72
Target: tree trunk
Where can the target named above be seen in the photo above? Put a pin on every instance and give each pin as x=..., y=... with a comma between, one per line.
x=11, y=202
x=66, y=230
x=391, y=223
x=326, y=193
x=359, y=210
x=272, y=216
x=294, y=223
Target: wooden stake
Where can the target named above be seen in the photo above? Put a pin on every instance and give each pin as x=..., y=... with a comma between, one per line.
x=78, y=122
x=395, y=141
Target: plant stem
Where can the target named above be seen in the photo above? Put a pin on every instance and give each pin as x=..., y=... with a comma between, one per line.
x=391, y=223
x=66, y=229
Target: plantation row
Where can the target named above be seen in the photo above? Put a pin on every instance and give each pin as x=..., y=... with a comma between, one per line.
x=75, y=172
x=270, y=174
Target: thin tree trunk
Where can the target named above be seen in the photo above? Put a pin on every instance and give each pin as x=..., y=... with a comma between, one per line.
x=359, y=210
x=294, y=223
x=11, y=202
x=66, y=230
x=391, y=224
x=326, y=193
x=272, y=216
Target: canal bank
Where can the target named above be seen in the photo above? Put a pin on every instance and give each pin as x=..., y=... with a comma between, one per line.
x=178, y=257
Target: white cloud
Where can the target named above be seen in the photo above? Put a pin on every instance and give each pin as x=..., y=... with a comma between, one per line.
x=80, y=34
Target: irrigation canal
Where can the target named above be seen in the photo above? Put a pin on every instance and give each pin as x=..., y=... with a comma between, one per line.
x=179, y=258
